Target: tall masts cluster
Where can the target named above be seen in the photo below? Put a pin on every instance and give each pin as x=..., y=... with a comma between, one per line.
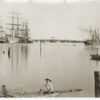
x=19, y=27
x=94, y=34
x=2, y=32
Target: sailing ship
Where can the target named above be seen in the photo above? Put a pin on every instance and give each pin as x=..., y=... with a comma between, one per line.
x=3, y=36
x=18, y=31
x=95, y=56
x=93, y=37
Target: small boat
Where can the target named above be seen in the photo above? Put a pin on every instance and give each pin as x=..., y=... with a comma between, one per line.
x=88, y=42
x=13, y=39
x=93, y=38
x=95, y=57
x=2, y=41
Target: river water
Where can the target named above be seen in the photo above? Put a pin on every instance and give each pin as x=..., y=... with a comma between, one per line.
x=23, y=67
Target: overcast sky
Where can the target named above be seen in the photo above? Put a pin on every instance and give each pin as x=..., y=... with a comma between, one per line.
x=63, y=21
x=48, y=1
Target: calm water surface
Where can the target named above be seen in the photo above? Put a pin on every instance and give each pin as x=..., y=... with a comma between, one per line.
x=23, y=67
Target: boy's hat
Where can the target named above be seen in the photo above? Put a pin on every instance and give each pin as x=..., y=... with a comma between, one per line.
x=47, y=79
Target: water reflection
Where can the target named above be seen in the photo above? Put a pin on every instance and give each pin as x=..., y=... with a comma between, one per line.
x=24, y=51
x=40, y=48
x=22, y=66
x=95, y=64
x=9, y=52
x=17, y=54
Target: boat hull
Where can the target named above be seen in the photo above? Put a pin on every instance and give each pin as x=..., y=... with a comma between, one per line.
x=90, y=42
x=95, y=57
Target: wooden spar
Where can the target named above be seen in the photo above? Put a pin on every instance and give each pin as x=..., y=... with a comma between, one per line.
x=97, y=83
x=91, y=33
x=12, y=24
x=23, y=28
x=2, y=31
x=26, y=30
x=26, y=27
x=18, y=24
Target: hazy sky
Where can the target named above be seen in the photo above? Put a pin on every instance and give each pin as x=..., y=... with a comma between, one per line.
x=48, y=1
x=62, y=20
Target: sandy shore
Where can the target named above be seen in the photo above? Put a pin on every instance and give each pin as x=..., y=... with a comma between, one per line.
x=83, y=93
x=61, y=93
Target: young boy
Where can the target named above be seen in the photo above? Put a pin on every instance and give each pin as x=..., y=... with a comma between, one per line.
x=4, y=90
x=48, y=88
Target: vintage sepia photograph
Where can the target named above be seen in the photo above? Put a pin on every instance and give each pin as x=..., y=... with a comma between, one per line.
x=49, y=48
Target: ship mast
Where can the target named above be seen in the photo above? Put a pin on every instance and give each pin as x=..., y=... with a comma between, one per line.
x=26, y=31
x=91, y=35
x=95, y=37
x=17, y=30
x=98, y=35
x=1, y=30
x=2, y=33
x=23, y=29
x=12, y=24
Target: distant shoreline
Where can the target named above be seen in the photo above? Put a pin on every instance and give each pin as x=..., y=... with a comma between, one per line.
x=57, y=40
